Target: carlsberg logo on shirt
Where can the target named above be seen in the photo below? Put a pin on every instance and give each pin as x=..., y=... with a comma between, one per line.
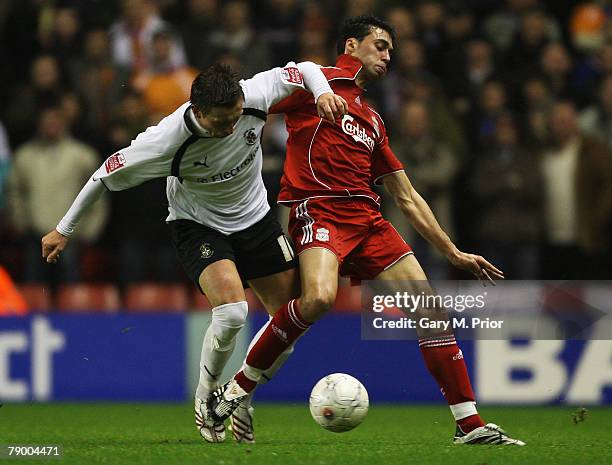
x=358, y=133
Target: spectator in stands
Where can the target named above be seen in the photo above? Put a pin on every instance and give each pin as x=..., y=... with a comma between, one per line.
x=556, y=66
x=529, y=41
x=577, y=171
x=458, y=30
x=98, y=79
x=590, y=70
x=77, y=125
x=433, y=166
x=315, y=17
x=195, y=29
x=508, y=194
x=132, y=36
x=587, y=27
x=402, y=20
x=430, y=16
x=277, y=20
x=409, y=64
x=66, y=38
x=502, y=26
x=236, y=35
x=53, y=165
x=596, y=120
x=537, y=100
x=44, y=88
x=492, y=103
x=353, y=8
x=313, y=46
x=164, y=86
x=129, y=119
x=465, y=86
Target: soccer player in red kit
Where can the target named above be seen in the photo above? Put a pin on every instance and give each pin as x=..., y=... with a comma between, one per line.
x=337, y=227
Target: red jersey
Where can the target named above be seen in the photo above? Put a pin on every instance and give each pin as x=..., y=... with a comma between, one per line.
x=334, y=160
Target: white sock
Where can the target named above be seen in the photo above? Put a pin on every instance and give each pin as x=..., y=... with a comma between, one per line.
x=218, y=345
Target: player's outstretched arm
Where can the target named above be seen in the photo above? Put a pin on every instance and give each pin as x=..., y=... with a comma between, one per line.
x=276, y=90
x=55, y=241
x=52, y=244
x=422, y=218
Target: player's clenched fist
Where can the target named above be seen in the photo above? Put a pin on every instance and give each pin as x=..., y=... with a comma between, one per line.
x=52, y=244
x=331, y=106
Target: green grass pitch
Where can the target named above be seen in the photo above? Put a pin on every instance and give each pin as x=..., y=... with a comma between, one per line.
x=391, y=434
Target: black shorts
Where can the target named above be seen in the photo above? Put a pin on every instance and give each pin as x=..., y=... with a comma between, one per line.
x=258, y=251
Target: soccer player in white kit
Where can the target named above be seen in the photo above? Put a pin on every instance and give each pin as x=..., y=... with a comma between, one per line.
x=209, y=150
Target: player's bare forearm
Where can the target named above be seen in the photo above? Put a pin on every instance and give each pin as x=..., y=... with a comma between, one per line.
x=424, y=221
x=416, y=209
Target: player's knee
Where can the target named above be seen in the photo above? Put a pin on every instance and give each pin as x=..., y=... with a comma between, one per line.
x=316, y=305
x=227, y=320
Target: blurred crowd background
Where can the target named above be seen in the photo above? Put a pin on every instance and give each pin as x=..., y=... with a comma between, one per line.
x=501, y=111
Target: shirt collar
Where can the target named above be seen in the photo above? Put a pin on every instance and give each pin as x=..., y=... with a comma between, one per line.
x=349, y=63
x=193, y=125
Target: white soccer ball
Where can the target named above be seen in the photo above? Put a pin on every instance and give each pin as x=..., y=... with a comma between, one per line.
x=339, y=402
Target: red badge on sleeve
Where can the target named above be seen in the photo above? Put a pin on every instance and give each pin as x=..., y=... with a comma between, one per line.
x=114, y=162
x=292, y=76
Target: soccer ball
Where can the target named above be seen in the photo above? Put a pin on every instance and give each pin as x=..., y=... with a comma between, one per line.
x=339, y=402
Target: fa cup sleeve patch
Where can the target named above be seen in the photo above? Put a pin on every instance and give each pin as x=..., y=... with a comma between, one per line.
x=114, y=162
x=292, y=76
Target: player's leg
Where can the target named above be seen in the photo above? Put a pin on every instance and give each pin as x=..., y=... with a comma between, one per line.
x=222, y=285
x=273, y=291
x=442, y=356
x=319, y=276
x=314, y=230
x=444, y=359
x=208, y=259
x=318, y=266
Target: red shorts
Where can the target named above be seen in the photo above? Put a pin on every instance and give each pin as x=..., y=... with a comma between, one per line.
x=354, y=230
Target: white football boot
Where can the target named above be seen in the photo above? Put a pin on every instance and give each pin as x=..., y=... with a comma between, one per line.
x=241, y=424
x=222, y=402
x=213, y=433
x=488, y=434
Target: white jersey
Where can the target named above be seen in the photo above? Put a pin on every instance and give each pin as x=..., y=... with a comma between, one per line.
x=214, y=181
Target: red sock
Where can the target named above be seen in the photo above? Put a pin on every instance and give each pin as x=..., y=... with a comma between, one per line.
x=285, y=327
x=445, y=362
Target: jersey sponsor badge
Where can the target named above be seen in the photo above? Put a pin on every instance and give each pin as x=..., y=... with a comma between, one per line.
x=292, y=76
x=250, y=136
x=351, y=127
x=322, y=234
x=114, y=162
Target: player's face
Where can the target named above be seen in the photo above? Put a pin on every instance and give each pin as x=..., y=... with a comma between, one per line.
x=220, y=121
x=373, y=51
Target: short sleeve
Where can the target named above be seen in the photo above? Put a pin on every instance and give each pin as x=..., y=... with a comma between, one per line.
x=384, y=162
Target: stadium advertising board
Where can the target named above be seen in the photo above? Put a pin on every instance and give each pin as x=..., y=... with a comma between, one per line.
x=92, y=357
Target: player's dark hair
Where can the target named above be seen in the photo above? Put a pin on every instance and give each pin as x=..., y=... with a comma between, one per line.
x=359, y=27
x=216, y=86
